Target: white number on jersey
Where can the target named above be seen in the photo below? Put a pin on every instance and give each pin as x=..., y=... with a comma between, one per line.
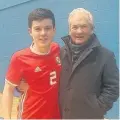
x=52, y=78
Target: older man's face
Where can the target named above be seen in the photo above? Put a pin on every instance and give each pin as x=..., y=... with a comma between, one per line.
x=80, y=29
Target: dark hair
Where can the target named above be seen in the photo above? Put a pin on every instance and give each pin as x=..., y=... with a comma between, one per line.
x=40, y=14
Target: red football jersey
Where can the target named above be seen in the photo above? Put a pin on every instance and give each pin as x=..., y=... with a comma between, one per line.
x=42, y=73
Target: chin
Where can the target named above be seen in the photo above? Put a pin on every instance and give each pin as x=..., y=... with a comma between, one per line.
x=79, y=42
x=44, y=45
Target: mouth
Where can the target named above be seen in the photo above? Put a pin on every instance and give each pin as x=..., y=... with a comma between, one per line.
x=79, y=37
x=43, y=39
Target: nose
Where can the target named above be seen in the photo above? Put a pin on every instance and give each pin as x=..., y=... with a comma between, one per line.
x=79, y=30
x=43, y=32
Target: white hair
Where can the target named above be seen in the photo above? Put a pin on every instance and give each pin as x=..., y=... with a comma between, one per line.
x=82, y=10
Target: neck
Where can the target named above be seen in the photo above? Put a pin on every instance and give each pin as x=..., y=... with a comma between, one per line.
x=40, y=51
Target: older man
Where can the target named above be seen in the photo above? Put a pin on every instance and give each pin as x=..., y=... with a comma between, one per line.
x=89, y=81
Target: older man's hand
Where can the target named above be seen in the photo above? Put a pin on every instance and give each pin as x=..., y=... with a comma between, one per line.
x=23, y=86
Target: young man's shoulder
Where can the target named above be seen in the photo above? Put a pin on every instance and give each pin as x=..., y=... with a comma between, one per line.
x=55, y=46
x=21, y=52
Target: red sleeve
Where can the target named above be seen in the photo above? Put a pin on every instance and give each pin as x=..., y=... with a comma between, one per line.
x=14, y=73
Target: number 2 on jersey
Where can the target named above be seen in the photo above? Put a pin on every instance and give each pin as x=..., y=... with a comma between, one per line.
x=52, y=78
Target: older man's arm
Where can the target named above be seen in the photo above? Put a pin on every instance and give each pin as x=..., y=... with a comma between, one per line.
x=110, y=91
x=22, y=87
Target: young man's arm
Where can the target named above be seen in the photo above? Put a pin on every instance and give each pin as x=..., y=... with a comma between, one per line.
x=7, y=100
x=13, y=77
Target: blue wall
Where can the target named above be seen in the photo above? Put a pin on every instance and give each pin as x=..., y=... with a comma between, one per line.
x=14, y=35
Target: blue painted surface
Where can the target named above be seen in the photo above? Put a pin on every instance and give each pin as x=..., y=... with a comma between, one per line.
x=5, y=4
x=14, y=35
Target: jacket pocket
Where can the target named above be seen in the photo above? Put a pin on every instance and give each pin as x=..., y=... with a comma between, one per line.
x=93, y=103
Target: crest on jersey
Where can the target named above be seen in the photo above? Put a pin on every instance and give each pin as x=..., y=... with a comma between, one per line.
x=58, y=60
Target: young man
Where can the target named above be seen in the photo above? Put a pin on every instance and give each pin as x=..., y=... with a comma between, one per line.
x=39, y=65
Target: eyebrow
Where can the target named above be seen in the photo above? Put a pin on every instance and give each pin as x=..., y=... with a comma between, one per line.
x=44, y=26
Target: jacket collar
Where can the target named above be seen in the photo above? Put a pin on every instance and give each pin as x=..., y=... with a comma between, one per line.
x=95, y=41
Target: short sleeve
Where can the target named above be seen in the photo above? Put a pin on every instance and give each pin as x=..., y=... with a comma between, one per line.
x=14, y=72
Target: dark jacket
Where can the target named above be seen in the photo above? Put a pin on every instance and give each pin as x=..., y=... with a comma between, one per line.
x=90, y=86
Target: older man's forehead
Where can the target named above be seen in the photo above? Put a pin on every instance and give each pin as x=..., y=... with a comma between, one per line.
x=79, y=19
x=80, y=16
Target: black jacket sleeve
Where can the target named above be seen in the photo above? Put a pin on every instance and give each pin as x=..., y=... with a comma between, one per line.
x=110, y=83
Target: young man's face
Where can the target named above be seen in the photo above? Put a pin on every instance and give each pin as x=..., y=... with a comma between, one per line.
x=42, y=33
x=79, y=29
